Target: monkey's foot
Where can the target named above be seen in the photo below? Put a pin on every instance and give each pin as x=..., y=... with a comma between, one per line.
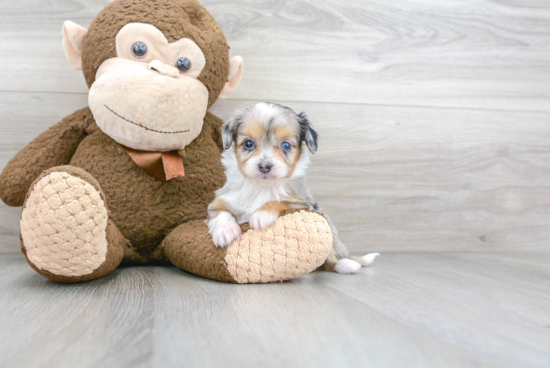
x=65, y=231
x=295, y=245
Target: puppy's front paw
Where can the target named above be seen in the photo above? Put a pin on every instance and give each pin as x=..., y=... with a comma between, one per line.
x=261, y=220
x=224, y=235
x=224, y=229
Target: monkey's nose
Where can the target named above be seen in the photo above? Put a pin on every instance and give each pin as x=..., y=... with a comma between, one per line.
x=265, y=167
x=164, y=69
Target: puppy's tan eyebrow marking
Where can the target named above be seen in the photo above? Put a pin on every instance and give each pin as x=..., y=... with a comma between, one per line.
x=284, y=132
x=144, y=127
x=253, y=130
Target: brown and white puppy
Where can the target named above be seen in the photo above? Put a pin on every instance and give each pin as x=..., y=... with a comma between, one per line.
x=265, y=168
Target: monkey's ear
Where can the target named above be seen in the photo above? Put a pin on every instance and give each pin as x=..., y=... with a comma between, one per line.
x=236, y=68
x=307, y=133
x=73, y=37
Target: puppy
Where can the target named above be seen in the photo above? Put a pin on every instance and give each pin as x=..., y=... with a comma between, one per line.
x=265, y=165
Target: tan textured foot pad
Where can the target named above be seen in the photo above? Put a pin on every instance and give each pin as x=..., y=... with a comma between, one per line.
x=295, y=245
x=63, y=226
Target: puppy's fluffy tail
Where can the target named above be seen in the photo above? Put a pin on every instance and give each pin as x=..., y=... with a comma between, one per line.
x=348, y=265
x=366, y=260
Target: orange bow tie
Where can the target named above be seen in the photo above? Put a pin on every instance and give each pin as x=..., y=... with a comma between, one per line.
x=163, y=166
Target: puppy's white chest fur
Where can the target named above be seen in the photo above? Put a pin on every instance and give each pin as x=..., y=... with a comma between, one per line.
x=244, y=196
x=250, y=199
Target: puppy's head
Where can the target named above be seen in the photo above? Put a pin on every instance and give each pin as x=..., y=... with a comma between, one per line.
x=267, y=139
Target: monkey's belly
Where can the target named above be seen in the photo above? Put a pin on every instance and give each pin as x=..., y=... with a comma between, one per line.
x=146, y=210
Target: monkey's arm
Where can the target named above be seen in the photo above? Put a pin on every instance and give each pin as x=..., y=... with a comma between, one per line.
x=54, y=147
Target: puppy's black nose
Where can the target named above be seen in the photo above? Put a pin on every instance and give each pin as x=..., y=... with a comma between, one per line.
x=265, y=167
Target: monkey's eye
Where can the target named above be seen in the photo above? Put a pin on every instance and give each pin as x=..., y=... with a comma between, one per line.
x=139, y=49
x=286, y=146
x=183, y=64
x=248, y=144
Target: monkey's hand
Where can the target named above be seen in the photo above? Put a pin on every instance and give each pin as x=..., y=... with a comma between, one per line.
x=54, y=147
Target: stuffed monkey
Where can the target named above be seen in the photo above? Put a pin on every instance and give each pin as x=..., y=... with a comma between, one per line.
x=129, y=178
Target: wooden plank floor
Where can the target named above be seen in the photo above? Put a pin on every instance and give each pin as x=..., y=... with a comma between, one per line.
x=407, y=310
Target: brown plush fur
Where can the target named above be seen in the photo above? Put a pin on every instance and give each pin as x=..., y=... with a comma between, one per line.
x=54, y=147
x=176, y=19
x=161, y=206
x=196, y=244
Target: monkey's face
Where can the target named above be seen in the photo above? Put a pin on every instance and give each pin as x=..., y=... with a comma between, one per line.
x=148, y=97
x=153, y=68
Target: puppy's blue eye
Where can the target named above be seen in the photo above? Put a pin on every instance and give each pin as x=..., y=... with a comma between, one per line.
x=286, y=146
x=249, y=144
x=139, y=49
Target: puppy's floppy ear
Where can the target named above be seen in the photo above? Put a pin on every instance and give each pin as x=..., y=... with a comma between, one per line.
x=229, y=129
x=307, y=133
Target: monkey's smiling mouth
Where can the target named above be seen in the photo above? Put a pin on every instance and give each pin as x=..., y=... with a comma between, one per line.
x=144, y=127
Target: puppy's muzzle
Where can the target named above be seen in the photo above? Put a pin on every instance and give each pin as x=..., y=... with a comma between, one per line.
x=265, y=167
